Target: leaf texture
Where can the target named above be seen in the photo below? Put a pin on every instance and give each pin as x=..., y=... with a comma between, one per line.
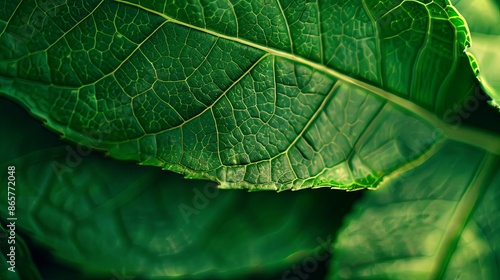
x=23, y=266
x=437, y=221
x=262, y=95
x=108, y=218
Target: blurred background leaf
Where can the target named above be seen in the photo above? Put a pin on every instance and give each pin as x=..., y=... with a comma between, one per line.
x=24, y=267
x=483, y=18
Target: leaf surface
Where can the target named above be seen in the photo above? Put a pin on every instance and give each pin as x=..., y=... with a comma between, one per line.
x=262, y=95
x=483, y=18
x=107, y=217
x=437, y=221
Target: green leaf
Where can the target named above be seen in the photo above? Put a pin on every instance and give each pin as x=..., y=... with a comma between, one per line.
x=437, y=221
x=260, y=95
x=106, y=217
x=483, y=18
x=15, y=264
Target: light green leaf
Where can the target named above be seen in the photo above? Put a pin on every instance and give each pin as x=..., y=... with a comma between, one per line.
x=260, y=95
x=437, y=221
x=108, y=217
x=483, y=18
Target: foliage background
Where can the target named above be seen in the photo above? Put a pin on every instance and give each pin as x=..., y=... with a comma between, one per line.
x=50, y=267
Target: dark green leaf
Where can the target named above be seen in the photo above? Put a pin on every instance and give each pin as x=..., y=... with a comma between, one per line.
x=261, y=95
x=106, y=217
x=15, y=264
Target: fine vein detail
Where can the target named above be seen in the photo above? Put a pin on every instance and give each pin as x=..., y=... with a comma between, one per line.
x=480, y=139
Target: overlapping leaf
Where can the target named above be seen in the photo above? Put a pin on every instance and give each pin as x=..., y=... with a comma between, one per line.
x=484, y=22
x=260, y=95
x=21, y=265
x=437, y=221
x=107, y=217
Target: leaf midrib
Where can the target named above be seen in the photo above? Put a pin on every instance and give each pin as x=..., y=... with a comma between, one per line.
x=464, y=210
x=483, y=140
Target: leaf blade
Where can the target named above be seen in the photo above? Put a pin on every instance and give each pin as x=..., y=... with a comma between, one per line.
x=208, y=104
x=414, y=234
x=146, y=222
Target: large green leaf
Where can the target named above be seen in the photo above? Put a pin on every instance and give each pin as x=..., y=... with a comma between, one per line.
x=437, y=221
x=107, y=217
x=260, y=95
x=484, y=22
